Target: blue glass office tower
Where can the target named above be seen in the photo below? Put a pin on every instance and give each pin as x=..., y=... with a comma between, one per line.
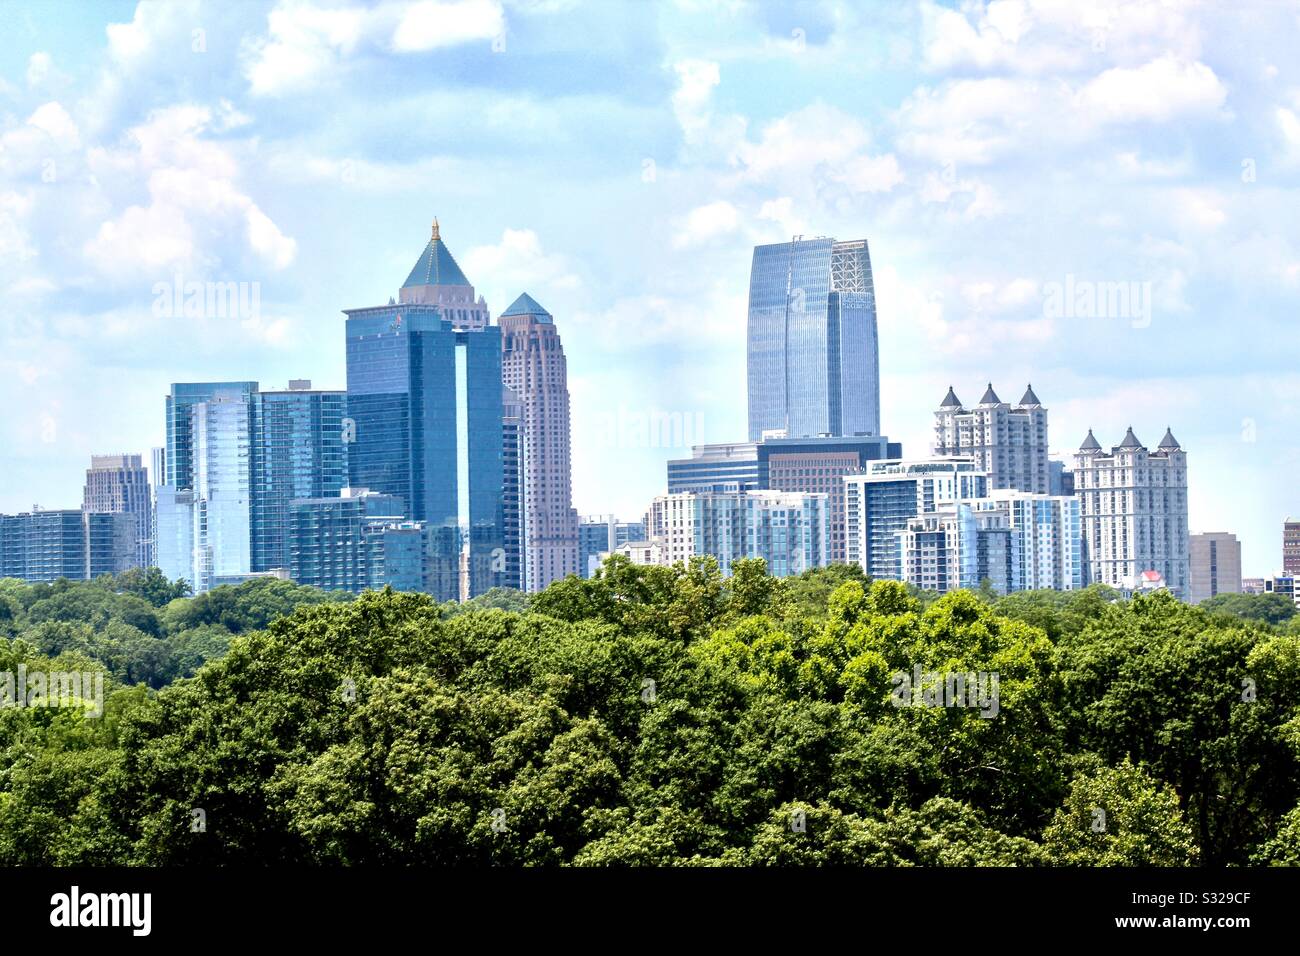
x=424, y=403
x=813, y=355
x=298, y=452
x=180, y=439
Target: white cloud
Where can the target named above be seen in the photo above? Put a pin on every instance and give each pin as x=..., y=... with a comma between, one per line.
x=39, y=65
x=696, y=80
x=194, y=201
x=705, y=223
x=305, y=42
x=1158, y=91
x=519, y=260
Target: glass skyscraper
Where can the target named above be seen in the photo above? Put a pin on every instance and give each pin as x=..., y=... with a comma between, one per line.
x=813, y=355
x=426, y=416
x=298, y=452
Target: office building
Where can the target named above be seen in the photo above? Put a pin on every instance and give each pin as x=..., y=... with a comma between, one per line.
x=533, y=368
x=1134, y=510
x=1008, y=443
x=813, y=356
x=512, y=491
x=425, y=400
x=120, y=484
x=879, y=503
x=1214, y=565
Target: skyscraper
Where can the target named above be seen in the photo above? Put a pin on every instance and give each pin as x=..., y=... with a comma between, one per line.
x=220, y=462
x=1009, y=443
x=425, y=408
x=298, y=451
x=43, y=546
x=533, y=368
x=183, y=395
x=119, y=484
x=1133, y=505
x=813, y=354
x=1291, y=546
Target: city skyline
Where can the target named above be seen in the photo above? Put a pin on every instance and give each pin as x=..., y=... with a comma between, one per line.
x=103, y=206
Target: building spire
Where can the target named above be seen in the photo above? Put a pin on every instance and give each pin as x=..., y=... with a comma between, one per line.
x=435, y=237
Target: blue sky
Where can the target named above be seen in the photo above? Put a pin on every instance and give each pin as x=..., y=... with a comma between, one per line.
x=618, y=161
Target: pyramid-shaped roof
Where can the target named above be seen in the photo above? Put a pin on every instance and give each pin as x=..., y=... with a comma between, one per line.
x=1090, y=443
x=1169, y=442
x=990, y=397
x=1029, y=398
x=527, y=305
x=435, y=265
x=950, y=400
x=1130, y=440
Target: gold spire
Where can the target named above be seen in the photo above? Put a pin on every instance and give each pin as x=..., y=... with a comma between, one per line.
x=435, y=228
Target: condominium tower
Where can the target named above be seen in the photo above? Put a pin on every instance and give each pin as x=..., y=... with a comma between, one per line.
x=1009, y=443
x=120, y=484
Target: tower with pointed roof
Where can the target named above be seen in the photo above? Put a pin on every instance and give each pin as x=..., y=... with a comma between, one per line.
x=1008, y=441
x=426, y=419
x=533, y=367
x=436, y=279
x=1133, y=508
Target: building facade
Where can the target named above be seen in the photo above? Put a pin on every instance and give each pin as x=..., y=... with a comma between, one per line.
x=117, y=484
x=221, y=468
x=879, y=503
x=44, y=546
x=1009, y=443
x=1214, y=565
x=1291, y=546
x=533, y=367
x=809, y=465
x=356, y=541
x=599, y=535
x=813, y=357
x=298, y=451
x=425, y=409
x=1134, y=510
x=788, y=530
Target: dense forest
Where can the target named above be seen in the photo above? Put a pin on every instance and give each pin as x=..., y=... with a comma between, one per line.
x=651, y=716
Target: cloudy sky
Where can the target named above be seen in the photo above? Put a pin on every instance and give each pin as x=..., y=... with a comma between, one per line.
x=618, y=161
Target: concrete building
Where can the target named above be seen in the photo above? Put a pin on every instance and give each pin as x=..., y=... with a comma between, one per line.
x=1134, y=510
x=120, y=484
x=1291, y=546
x=1214, y=565
x=788, y=530
x=1008, y=443
x=879, y=503
x=533, y=367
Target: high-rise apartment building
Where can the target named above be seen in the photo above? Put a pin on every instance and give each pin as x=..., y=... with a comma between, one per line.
x=43, y=546
x=180, y=400
x=425, y=407
x=879, y=503
x=533, y=368
x=298, y=451
x=812, y=350
x=220, y=459
x=1214, y=565
x=356, y=541
x=120, y=484
x=512, y=502
x=1291, y=546
x=788, y=530
x=811, y=465
x=1009, y=443
x=1134, y=509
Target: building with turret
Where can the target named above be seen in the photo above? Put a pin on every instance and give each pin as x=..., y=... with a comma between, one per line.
x=1133, y=505
x=1007, y=442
